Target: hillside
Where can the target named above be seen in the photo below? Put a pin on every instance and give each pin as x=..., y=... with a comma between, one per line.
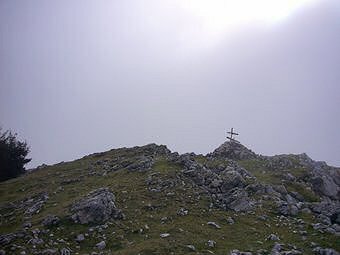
x=149, y=200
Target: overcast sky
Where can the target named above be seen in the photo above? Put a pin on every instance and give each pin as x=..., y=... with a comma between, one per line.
x=78, y=77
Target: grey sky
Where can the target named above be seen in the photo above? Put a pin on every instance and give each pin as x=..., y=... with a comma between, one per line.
x=77, y=77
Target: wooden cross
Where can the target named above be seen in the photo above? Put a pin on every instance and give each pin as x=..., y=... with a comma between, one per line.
x=231, y=135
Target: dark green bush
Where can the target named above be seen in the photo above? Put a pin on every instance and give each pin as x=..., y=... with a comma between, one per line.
x=12, y=155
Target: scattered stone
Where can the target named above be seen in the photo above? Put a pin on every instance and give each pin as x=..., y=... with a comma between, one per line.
x=50, y=252
x=191, y=247
x=276, y=249
x=214, y=224
x=7, y=238
x=182, y=212
x=164, y=235
x=230, y=221
x=211, y=243
x=325, y=251
x=80, y=238
x=65, y=251
x=36, y=241
x=50, y=220
x=273, y=237
x=36, y=204
x=27, y=225
x=263, y=217
x=101, y=245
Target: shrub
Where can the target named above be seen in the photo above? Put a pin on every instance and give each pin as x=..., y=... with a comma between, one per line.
x=12, y=155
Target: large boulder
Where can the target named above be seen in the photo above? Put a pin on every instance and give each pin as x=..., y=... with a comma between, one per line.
x=232, y=179
x=97, y=207
x=237, y=200
x=326, y=186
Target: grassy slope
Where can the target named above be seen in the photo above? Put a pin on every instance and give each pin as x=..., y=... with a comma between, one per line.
x=142, y=207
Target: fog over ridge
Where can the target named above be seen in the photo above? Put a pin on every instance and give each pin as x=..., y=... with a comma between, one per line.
x=78, y=77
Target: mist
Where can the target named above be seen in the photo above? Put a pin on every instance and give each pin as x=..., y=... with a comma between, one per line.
x=78, y=77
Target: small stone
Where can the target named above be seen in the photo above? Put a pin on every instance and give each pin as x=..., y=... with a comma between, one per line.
x=182, y=212
x=211, y=243
x=164, y=235
x=325, y=251
x=191, y=247
x=27, y=225
x=214, y=224
x=273, y=237
x=65, y=251
x=49, y=252
x=101, y=245
x=50, y=220
x=80, y=238
x=230, y=221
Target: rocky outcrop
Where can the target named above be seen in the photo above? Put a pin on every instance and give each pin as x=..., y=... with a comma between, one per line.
x=278, y=162
x=139, y=158
x=325, y=179
x=141, y=164
x=34, y=205
x=226, y=184
x=97, y=207
x=232, y=150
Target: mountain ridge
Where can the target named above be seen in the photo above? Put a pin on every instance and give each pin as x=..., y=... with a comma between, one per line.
x=160, y=202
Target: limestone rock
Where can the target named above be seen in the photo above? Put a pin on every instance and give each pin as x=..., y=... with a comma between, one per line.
x=141, y=164
x=164, y=235
x=97, y=207
x=238, y=200
x=325, y=251
x=214, y=224
x=50, y=220
x=233, y=150
x=80, y=238
x=101, y=245
x=191, y=247
x=287, y=209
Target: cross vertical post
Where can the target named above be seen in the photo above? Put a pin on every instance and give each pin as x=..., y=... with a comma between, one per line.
x=231, y=132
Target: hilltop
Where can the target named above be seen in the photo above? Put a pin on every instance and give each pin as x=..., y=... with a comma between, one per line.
x=149, y=200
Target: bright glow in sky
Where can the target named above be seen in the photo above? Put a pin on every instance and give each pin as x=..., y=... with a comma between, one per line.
x=215, y=18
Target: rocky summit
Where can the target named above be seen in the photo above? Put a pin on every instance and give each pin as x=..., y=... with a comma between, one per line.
x=149, y=200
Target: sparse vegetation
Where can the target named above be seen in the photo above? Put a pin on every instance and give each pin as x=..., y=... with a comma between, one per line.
x=150, y=213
